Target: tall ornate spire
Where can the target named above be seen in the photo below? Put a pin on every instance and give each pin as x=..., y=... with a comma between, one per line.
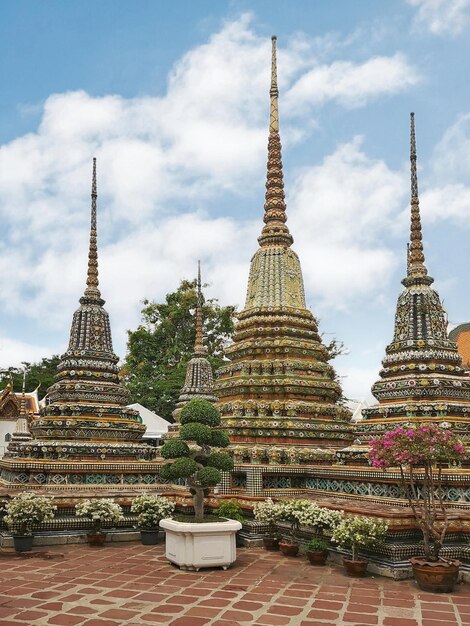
x=199, y=347
x=92, y=291
x=275, y=231
x=416, y=268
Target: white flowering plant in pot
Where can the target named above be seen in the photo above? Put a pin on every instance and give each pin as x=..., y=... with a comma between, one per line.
x=100, y=511
x=297, y=513
x=322, y=520
x=27, y=511
x=150, y=509
x=357, y=532
x=268, y=512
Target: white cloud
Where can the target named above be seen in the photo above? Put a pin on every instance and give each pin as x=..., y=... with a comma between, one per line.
x=14, y=353
x=352, y=84
x=340, y=212
x=162, y=160
x=441, y=17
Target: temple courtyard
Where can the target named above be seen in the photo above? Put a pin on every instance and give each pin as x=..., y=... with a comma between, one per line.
x=133, y=585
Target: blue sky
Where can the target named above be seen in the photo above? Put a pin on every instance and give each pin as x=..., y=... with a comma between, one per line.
x=172, y=99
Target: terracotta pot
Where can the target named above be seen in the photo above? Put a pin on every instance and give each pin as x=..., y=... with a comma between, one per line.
x=355, y=569
x=23, y=543
x=271, y=543
x=96, y=538
x=149, y=537
x=317, y=557
x=288, y=549
x=435, y=576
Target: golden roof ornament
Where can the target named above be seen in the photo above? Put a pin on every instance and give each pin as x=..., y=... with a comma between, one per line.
x=416, y=268
x=275, y=231
x=199, y=347
x=92, y=291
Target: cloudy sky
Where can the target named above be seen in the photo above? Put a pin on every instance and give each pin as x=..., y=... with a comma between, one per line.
x=172, y=99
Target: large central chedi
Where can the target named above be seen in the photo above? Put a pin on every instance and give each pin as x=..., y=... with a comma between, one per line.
x=279, y=397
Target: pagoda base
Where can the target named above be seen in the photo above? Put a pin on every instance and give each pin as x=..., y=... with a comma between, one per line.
x=94, y=477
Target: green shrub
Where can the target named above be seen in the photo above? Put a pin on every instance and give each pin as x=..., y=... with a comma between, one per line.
x=174, y=448
x=317, y=545
x=221, y=461
x=232, y=510
x=181, y=468
x=219, y=439
x=208, y=476
x=201, y=412
x=199, y=433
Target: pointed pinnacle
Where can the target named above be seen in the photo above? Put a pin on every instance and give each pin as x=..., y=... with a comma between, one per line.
x=275, y=231
x=23, y=398
x=199, y=347
x=415, y=257
x=92, y=290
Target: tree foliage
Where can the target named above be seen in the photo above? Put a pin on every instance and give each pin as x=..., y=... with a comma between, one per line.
x=160, y=348
x=199, y=464
x=41, y=374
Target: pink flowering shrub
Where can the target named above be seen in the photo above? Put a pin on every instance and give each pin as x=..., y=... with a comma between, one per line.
x=420, y=452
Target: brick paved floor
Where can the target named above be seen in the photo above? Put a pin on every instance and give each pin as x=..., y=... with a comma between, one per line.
x=134, y=585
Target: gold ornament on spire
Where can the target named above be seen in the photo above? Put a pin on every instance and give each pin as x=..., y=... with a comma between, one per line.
x=199, y=347
x=92, y=290
x=275, y=231
x=416, y=266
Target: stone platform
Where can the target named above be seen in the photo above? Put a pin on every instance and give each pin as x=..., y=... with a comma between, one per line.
x=134, y=585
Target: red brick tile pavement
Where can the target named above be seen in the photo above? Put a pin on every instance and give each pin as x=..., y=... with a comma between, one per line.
x=134, y=585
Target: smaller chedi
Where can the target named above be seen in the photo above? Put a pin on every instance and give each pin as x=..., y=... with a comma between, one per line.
x=21, y=432
x=85, y=430
x=422, y=376
x=199, y=382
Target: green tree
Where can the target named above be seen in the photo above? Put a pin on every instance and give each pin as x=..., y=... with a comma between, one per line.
x=160, y=348
x=197, y=462
x=41, y=374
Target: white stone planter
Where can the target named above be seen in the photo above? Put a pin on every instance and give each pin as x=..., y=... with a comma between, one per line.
x=192, y=546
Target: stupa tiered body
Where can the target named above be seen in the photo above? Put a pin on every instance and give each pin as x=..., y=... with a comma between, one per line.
x=85, y=435
x=279, y=399
x=199, y=382
x=21, y=434
x=422, y=376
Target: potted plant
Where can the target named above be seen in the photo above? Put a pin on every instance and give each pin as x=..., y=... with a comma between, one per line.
x=421, y=452
x=294, y=512
x=317, y=551
x=230, y=509
x=357, y=532
x=25, y=512
x=100, y=511
x=322, y=521
x=150, y=509
x=207, y=542
x=268, y=512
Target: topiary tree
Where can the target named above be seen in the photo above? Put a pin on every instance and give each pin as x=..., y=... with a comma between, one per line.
x=193, y=454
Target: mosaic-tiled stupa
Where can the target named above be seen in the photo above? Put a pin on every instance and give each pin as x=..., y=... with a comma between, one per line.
x=422, y=376
x=21, y=434
x=279, y=399
x=199, y=383
x=85, y=434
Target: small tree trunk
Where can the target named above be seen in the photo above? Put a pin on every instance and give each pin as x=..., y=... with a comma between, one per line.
x=353, y=550
x=198, y=502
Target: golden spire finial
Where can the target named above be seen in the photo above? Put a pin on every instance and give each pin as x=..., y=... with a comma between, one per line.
x=199, y=347
x=275, y=231
x=416, y=266
x=23, y=398
x=274, y=91
x=92, y=290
